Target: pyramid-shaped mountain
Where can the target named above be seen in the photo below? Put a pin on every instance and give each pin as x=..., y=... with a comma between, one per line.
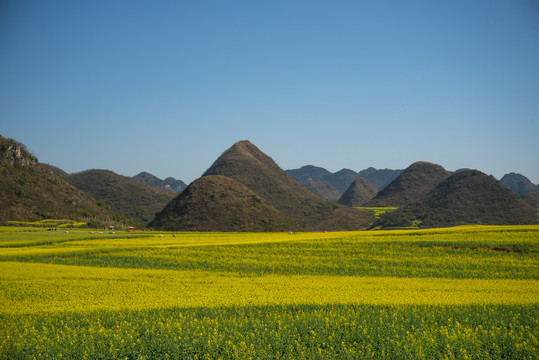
x=466, y=197
x=358, y=193
x=415, y=181
x=134, y=200
x=246, y=164
x=219, y=203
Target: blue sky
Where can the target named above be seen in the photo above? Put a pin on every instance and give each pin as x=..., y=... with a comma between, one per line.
x=167, y=86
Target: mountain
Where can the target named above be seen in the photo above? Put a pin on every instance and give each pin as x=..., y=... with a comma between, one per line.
x=169, y=185
x=380, y=178
x=219, y=203
x=532, y=198
x=32, y=191
x=246, y=164
x=358, y=193
x=519, y=183
x=308, y=173
x=311, y=177
x=323, y=189
x=466, y=197
x=134, y=200
x=175, y=185
x=339, y=180
x=342, y=179
x=308, y=176
x=414, y=182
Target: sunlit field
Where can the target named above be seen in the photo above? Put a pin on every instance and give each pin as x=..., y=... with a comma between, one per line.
x=463, y=292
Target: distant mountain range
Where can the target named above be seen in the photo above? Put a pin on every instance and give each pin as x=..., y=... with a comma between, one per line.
x=169, y=185
x=245, y=190
x=331, y=186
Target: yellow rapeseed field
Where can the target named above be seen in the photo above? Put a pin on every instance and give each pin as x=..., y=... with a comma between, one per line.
x=464, y=292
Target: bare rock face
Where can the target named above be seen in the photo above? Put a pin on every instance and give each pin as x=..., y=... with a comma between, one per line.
x=15, y=154
x=519, y=184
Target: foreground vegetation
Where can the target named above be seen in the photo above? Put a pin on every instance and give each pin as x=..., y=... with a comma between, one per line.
x=465, y=292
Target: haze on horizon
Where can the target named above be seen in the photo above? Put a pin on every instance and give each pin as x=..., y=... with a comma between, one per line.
x=166, y=87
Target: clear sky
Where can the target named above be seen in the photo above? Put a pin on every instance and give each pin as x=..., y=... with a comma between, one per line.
x=167, y=86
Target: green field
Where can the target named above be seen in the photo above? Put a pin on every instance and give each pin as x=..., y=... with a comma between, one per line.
x=463, y=292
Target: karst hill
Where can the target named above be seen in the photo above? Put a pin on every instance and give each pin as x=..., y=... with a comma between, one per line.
x=219, y=203
x=169, y=185
x=358, y=193
x=519, y=184
x=415, y=181
x=331, y=186
x=134, y=200
x=466, y=197
x=32, y=191
x=250, y=167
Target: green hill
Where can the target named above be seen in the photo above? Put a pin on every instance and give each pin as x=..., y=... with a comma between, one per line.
x=415, y=181
x=132, y=199
x=31, y=191
x=219, y=203
x=466, y=197
x=246, y=164
x=358, y=193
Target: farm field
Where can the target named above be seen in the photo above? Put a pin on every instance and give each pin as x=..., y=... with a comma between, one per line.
x=464, y=292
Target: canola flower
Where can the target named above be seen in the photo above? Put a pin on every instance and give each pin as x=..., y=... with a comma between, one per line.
x=461, y=293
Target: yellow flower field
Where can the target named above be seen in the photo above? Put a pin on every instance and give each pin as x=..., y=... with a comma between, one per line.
x=464, y=292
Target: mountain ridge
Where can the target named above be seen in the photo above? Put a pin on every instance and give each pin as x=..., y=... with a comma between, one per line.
x=312, y=176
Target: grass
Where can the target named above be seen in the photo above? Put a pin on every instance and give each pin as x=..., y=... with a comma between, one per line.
x=464, y=292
